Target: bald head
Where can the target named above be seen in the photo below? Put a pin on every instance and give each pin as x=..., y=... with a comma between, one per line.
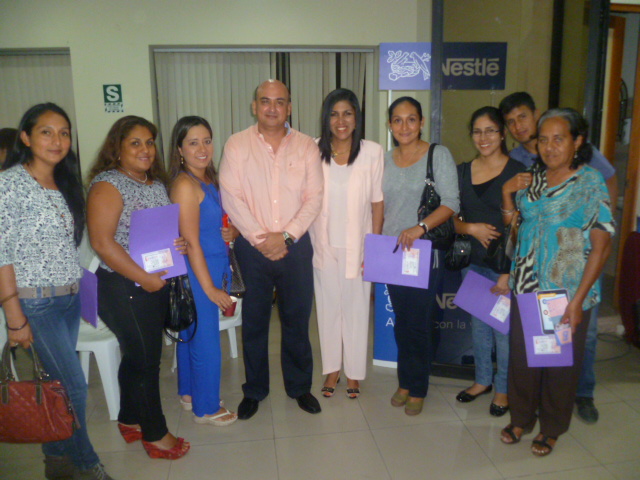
x=272, y=105
x=267, y=83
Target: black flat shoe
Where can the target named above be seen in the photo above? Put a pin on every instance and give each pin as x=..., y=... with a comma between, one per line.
x=498, y=410
x=308, y=403
x=247, y=408
x=465, y=397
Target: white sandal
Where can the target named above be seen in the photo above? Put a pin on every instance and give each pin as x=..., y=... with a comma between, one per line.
x=216, y=419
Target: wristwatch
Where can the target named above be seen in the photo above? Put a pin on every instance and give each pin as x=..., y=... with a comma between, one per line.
x=288, y=241
x=424, y=226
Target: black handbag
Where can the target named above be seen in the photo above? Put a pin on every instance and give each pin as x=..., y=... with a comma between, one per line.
x=237, y=288
x=182, y=309
x=441, y=236
x=458, y=255
x=500, y=251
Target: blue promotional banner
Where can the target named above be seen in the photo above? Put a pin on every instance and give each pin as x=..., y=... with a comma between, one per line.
x=405, y=66
x=465, y=66
x=474, y=66
x=452, y=334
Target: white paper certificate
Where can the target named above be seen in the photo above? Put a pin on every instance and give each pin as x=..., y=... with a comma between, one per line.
x=500, y=310
x=158, y=260
x=410, y=262
x=545, y=345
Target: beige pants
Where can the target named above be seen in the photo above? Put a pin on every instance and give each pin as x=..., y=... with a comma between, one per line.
x=342, y=306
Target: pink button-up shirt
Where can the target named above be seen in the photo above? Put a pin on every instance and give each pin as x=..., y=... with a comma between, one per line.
x=266, y=191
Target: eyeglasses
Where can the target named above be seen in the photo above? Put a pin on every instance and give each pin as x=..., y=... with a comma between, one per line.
x=488, y=132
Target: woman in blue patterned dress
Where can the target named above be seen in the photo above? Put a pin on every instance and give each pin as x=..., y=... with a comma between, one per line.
x=194, y=185
x=563, y=243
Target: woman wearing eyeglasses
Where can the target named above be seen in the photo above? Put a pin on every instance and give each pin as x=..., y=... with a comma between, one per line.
x=480, y=183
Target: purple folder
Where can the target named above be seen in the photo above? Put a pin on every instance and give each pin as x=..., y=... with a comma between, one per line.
x=89, y=297
x=151, y=237
x=382, y=265
x=474, y=296
x=532, y=328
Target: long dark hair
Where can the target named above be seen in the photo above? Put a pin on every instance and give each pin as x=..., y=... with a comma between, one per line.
x=334, y=97
x=496, y=117
x=178, y=134
x=65, y=173
x=578, y=127
x=397, y=102
x=109, y=154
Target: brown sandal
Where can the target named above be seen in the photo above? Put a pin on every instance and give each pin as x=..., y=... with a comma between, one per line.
x=514, y=438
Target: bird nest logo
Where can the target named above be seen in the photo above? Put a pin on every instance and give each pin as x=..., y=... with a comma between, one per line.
x=408, y=64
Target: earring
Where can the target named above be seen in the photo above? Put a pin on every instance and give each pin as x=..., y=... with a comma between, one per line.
x=181, y=160
x=575, y=155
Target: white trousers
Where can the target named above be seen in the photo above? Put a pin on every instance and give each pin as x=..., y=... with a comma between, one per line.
x=342, y=307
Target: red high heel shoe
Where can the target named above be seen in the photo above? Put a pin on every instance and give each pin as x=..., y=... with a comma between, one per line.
x=178, y=450
x=130, y=434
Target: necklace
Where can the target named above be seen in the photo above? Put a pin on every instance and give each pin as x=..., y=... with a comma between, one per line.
x=406, y=163
x=334, y=153
x=131, y=175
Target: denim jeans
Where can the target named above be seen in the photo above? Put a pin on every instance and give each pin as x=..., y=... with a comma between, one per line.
x=484, y=338
x=587, y=382
x=55, y=322
x=416, y=310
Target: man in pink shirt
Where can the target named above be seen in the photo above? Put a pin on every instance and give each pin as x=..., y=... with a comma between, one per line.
x=271, y=183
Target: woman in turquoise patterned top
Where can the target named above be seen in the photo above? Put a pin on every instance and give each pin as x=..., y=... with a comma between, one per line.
x=563, y=242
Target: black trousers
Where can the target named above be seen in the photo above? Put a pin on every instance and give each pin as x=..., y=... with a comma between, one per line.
x=292, y=277
x=136, y=317
x=416, y=311
x=547, y=393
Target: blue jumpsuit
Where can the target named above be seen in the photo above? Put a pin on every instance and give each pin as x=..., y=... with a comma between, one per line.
x=199, y=360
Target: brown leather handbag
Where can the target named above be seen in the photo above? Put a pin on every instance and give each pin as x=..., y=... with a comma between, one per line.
x=34, y=411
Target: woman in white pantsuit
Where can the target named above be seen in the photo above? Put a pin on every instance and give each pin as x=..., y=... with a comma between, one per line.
x=351, y=208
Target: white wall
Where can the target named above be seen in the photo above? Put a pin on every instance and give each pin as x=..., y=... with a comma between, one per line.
x=109, y=40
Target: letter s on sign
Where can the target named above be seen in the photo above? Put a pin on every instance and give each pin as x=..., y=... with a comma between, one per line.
x=112, y=93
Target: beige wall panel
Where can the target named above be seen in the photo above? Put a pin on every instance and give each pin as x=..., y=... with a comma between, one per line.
x=109, y=41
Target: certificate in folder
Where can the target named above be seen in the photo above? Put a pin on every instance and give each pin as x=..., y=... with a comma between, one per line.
x=151, y=237
x=384, y=263
x=474, y=296
x=543, y=349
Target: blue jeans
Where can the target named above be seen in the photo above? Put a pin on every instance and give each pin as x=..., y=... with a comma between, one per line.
x=587, y=382
x=484, y=338
x=55, y=322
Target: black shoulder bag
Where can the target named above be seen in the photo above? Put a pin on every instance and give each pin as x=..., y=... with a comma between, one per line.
x=458, y=255
x=182, y=308
x=441, y=236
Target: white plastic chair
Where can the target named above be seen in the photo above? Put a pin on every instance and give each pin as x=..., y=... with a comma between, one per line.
x=100, y=341
x=3, y=340
x=104, y=345
x=226, y=323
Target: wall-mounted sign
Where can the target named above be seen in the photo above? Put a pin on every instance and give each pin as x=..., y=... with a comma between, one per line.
x=474, y=66
x=465, y=66
x=405, y=66
x=113, y=98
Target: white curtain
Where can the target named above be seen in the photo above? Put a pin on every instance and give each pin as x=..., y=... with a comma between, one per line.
x=312, y=76
x=218, y=86
x=26, y=80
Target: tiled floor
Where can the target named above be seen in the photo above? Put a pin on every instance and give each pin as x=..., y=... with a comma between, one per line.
x=367, y=438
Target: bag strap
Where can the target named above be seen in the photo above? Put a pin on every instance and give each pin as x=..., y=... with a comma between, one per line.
x=39, y=374
x=432, y=147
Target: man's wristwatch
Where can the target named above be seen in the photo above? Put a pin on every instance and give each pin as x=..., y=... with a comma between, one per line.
x=288, y=241
x=424, y=226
